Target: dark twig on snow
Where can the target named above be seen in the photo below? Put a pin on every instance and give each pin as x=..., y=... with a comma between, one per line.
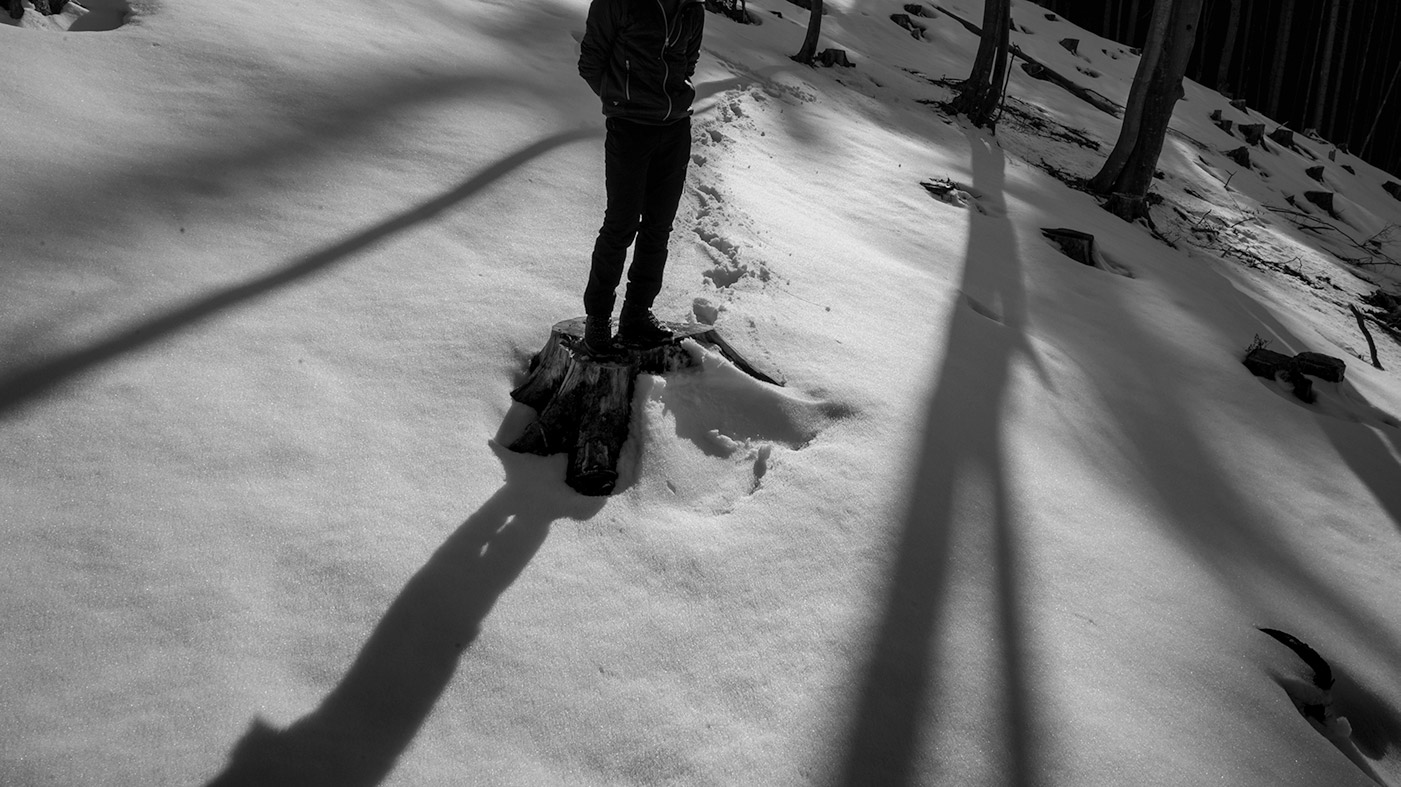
x=1371, y=345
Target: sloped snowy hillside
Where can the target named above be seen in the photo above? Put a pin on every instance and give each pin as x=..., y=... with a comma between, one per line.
x=269, y=272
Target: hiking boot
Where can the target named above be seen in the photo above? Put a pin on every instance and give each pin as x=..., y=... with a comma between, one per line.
x=598, y=336
x=640, y=327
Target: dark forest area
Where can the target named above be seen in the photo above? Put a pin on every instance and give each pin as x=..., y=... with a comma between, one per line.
x=1326, y=65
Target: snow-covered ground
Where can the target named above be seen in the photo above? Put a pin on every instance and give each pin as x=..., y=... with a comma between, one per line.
x=269, y=272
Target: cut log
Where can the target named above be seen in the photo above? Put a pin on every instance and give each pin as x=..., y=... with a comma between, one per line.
x=1254, y=133
x=1315, y=172
x=1324, y=367
x=1267, y=363
x=583, y=403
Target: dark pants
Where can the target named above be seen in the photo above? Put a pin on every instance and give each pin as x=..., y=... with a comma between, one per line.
x=645, y=171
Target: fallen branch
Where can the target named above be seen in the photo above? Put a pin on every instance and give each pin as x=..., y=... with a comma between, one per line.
x=1371, y=345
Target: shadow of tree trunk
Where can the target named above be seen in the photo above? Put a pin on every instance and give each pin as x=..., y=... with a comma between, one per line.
x=355, y=737
x=960, y=457
x=35, y=380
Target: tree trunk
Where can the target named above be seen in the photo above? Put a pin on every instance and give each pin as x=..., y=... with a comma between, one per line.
x=1336, y=90
x=1103, y=182
x=981, y=94
x=1281, y=50
x=1325, y=67
x=1385, y=98
x=1223, y=70
x=1164, y=88
x=809, y=50
x=1362, y=68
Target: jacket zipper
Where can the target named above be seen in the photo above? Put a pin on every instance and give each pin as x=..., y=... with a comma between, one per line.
x=666, y=42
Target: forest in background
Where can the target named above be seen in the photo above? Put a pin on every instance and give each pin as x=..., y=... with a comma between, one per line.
x=1327, y=65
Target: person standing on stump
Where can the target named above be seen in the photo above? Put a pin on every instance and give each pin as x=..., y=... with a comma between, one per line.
x=638, y=56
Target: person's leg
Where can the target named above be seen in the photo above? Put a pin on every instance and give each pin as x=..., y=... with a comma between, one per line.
x=626, y=154
x=666, y=178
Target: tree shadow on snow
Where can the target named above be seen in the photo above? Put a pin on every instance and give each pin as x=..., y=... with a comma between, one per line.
x=355, y=737
x=35, y=380
x=960, y=470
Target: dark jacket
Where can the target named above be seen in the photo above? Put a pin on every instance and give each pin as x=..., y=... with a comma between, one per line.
x=639, y=59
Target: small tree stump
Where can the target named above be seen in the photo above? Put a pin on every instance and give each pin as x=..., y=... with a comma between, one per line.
x=1323, y=199
x=835, y=57
x=915, y=9
x=904, y=20
x=1216, y=116
x=1077, y=245
x=1283, y=136
x=1225, y=125
x=584, y=403
x=1349, y=169
x=1393, y=188
x=1254, y=133
x=1240, y=155
x=1240, y=104
x=1072, y=45
x=1315, y=172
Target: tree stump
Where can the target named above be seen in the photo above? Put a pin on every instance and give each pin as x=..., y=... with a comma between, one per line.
x=1254, y=133
x=1323, y=199
x=1239, y=103
x=1393, y=188
x=1241, y=156
x=1072, y=45
x=1315, y=172
x=915, y=9
x=1283, y=136
x=835, y=57
x=1077, y=245
x=904, y=20
x=583, y=403
x=1225, y=125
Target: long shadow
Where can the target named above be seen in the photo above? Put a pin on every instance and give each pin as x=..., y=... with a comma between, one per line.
x=32, y=382
x=1216, y=520
x=961, y=453
x=355, y=737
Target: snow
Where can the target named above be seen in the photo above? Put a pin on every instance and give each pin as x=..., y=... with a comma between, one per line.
x=269, y=276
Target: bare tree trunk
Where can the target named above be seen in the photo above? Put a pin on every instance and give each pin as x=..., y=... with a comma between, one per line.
x=809, y=50
x=1341, y=67
x=1366, y=143
x=980, y=94
x=1223, y=71
x=1325, y=69
x=1362, y=69
x=1281, y=49
x=1103, y=182
x=1162, y=91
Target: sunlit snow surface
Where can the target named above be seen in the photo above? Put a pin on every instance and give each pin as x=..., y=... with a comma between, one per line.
x=268, y=274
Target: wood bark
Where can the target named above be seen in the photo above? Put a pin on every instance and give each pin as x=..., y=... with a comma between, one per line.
x=583, y=403
x=1163, y=89
x=1325, y=67
x=1223, y=69
x=1335, y=91
x=1281, y=51
x=809, y=50
x=1103, y=182
x=981, y=94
